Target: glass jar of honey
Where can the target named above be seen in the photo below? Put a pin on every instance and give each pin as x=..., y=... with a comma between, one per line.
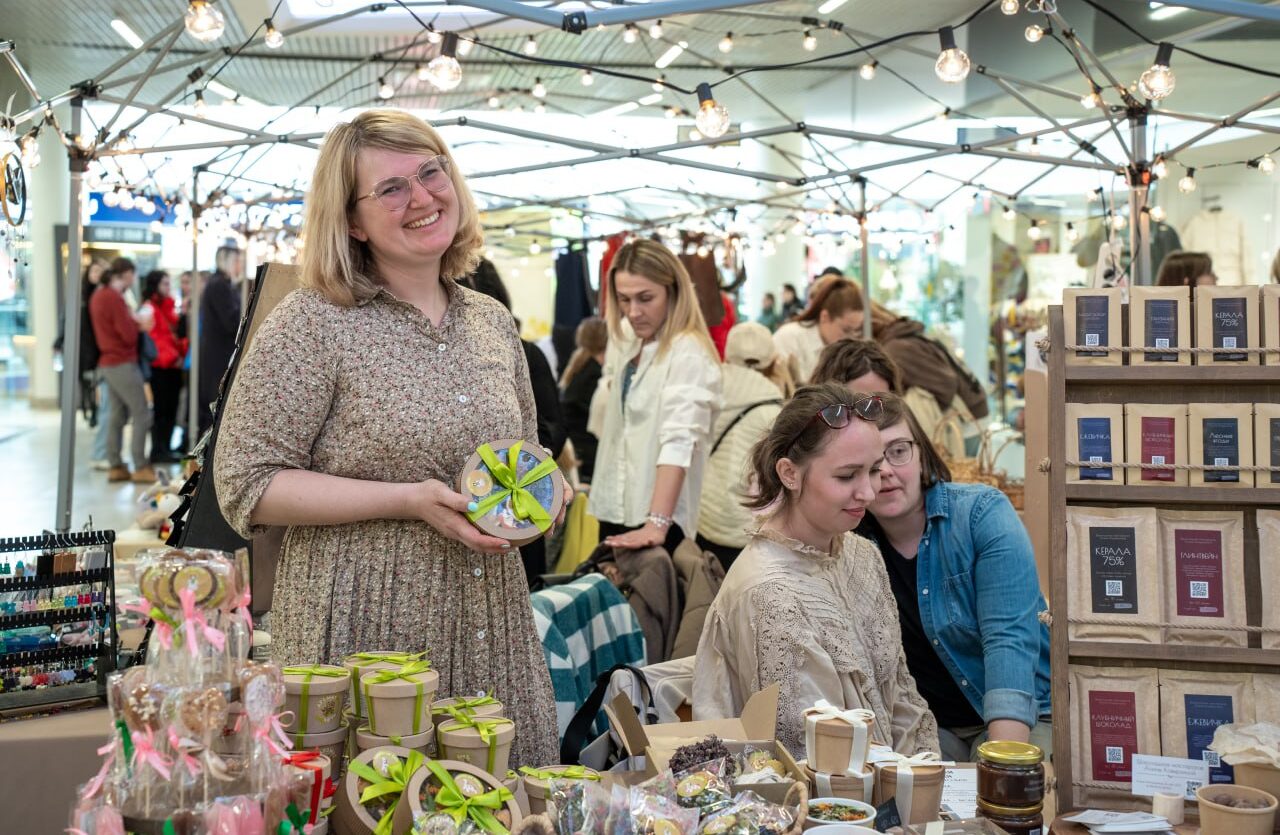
x=1011, y=774
x=1029, y=821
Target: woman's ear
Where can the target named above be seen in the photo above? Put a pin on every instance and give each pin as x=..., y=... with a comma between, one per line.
x=824, y=318
x=788, y=473
x=354, y=230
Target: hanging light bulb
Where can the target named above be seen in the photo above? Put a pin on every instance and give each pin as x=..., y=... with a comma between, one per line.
x=810, y=43
x=1188, y=183
x=1158, y=81
x=420, y=71
x=952, y=65
x=535, y=248
x=539, y=108
x=1034, y=232
x=1009, y=7
x=494, y=101
x=712, y=119
x=868, y=71
x=156, y=227
x=587, y=78
x=726, y=43
x=660, y=84
x=433, y=36
x=1159, y=168
x=126, y=200
x=943, y=115
x=110, y=199
x=630, y=34
x=201, y=108
x=273, y=39
x=539, y=89
x=1009, y=213
x=1033, y=33
x=1073, y=234
x=1090, y=100
x=124, y=143
x=1266, y=164
x=1119, y=222
x=510, y=231
x=444, y=69
x=385, y=90
x=655, y=30
x=145, y=205
x=1034, y=147
x=672, y=112
x=203, y=21
x=1157, y=213
x=531, y=45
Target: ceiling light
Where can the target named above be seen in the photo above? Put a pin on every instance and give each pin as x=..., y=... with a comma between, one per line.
x=655, y=30
x=1158, y=81
x=494, y=101
x=952, y=65
x=630, y=34
x=665, y=59
x=1188, y=183
x=1163, y=11
x=726, y=43
x=830, y=6
x=273, y=39
x=444, y=70
x=123, y=30
x=531, y=46
x=1266, y=164
x=660, y=84
x=1033, y=33
x=619, y=109
x=713, y=118
x=385, y=90
x=1009, y=7
x=810, y=43
x=652, y=98
x=587, y=78
x=1160, y=168
x=539, y=89
x=203, y=21
x=868, y=70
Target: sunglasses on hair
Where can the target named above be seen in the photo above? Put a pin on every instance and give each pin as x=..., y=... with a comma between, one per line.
x=839, y=415
x=393, y=193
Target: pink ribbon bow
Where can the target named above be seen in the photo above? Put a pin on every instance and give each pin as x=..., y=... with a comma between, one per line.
x=194, y=623
x=144, y=752
x=94, y=786
x=183, y=748
x=273, y=726
x=246, y=597
x=163, y=631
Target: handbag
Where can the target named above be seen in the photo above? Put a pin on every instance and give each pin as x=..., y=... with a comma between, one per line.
x=605, y=749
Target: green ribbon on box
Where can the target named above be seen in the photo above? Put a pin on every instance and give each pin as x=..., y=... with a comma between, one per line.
x=407, y=672
x=522, y=501
x=303, y=700
x=370, y=658
x=396, y=779
x=485, y=727
x=465, y=705
x=296, y=822
x=568, y=772
x=479, y=809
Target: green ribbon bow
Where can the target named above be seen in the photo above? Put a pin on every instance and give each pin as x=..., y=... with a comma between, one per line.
x=467, y=705
x=485, y=727
x=392, y=784
x=407, y=672
x=522, y=501
x=296, y=820
x=364, y=659
x=304, y=699
x=568, y=772
x=459, y=807
x=126, y=741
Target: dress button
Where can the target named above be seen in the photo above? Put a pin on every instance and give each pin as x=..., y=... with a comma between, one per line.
x=480, y=635
x=924, y=591
x=479, y=572
x=935, y=642
x=462, y=398
x=480, y=694
x=964, y=682
x=441, y=347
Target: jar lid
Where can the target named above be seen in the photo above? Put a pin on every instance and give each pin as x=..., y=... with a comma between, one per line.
x=1010, y=811
x=1010, y=753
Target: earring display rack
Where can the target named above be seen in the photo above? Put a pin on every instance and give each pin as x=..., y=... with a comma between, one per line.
x=58, y=638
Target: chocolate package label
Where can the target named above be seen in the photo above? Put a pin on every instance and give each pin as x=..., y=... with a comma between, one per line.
x=1204, y=715
x=1095, y=447
x=1198, y=565
x=1274, y=434
x=1221, y=449
x=1230, y=328
x=1114, y=570
x=1158, y=447
x=1161, y=325
x=1092, y=323
x=1113, y=734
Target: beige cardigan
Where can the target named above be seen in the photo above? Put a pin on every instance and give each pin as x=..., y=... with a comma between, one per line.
x=824, y=626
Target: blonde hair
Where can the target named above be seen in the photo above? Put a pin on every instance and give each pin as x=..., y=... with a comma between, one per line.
x=655, y=262
x=336, y=264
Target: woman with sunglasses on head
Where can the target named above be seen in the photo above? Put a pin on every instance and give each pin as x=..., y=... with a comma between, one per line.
x=662, y=394
x=964, y=577
x=807, y=604
x=355, y=408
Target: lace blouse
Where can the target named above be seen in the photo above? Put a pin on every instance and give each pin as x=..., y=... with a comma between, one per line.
x=822, y=625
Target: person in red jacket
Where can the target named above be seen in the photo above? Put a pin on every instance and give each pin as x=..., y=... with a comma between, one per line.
x=116, y=330
x=169, y=335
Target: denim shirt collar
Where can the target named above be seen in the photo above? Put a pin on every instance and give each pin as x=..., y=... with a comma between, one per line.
x=937, y=504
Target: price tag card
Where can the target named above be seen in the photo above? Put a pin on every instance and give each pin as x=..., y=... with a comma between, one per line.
x=1168, y=775
x=960, y=791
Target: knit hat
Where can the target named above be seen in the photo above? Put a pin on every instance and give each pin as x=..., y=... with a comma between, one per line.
x=749, y=344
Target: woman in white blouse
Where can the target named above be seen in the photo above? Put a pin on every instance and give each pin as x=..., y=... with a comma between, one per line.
x=834, y=312
x=807, y=604
x=662, y=390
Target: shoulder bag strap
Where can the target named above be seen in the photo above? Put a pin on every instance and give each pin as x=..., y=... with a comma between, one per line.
x=739, y=417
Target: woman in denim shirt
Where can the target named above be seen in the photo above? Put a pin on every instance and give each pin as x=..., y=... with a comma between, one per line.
x=964, y=575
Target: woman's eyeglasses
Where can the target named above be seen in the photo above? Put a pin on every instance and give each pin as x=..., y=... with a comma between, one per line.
x=900, y=452
x=839, y=415
x=393, y=193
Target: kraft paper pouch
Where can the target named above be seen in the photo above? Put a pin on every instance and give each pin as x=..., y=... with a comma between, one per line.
x=1220, y=434
x=1115, y=574
x=1160, y=317
x=1095, y=435
x=1092, y=318
x=1203, y=555
x=1155, y=433
x=1226, y=317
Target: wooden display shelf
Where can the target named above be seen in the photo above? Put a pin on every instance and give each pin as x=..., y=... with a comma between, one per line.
x=1172, y=495
x=1155, y=375
x=1175, y=652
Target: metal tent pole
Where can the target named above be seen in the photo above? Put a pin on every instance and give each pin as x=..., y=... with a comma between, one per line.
x=1139, y=193
x=71, y=327
x=864, y=258
x=193, y=318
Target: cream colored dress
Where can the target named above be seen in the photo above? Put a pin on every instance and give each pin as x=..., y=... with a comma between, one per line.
x=821, y=625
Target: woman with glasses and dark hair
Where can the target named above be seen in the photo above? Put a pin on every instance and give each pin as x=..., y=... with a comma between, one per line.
x=964, y=576
x=807, y=604
x=353, y=412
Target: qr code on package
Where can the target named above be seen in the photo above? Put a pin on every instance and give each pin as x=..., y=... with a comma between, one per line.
x=1199, y=590
x=1115, y=588
x=1212, y=758
x=1190, y=792
x=1115, y=754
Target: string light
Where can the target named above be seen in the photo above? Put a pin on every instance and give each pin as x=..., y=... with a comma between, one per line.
x=1034, y=147
x=444, y=71
x=535, y=248
x=1160, y=169
x=1033, y=33
x=465, y=47
x=587, y=78
x=1073, y=234
x=868, y=70
x=672, y=112
x=660, y=84
x=1157, y=213
x=810, y=43
x=726, y=43
x=203, y=22
x=539, y=108
x=943, y=115
x=201, y=108
x=655, y=30
x=531, y=46
x=1266, y=164
x=111, y=199
x=952, y=65
x=1119, y=222
x=421, y=72
x=1009, y=213
x=1090, y=100
x=1034, y=232
x=494, y=101
x=273, y=39
x=1009, y=7
x=630, y=34
x=385, y=90
x=1158, y=81
x=539, y=89
x=124, y=143
x=1188, y=183
x=433, y=36
x=713, y=118
x=510, y=231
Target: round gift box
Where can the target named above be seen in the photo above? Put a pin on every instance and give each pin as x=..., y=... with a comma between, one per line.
x=322, y=764
x=842, y=786
x=366, y=739
x=351, y=817
x=332, y=744
x=476, y=482
x=325, y=698
x=397, y=707
x=411, y=801
x=833, y=739
x=926, y=794
x=536, y=788
x=456, y=741
x=360, y=663
x=439, y=716
x=1218, y=819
